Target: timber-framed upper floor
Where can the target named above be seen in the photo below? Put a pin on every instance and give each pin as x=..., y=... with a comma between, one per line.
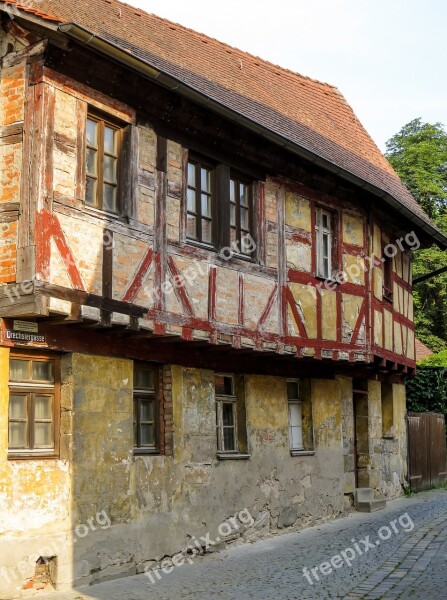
x=134, y=215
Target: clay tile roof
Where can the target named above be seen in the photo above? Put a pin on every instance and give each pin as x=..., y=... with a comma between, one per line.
x=422, y=351
x=308, y=113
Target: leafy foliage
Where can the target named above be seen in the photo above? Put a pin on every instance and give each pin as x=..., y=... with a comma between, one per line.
x=418, y=153
x=427, y=391
x=435, y=360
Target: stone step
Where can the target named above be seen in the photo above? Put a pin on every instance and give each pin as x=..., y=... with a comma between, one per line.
x=363, y=495
x=371, y=505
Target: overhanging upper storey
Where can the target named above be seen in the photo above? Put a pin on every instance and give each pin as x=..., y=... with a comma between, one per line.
x=170, y=199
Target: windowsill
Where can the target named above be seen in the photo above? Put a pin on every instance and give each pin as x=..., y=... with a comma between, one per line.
x=97, y=212
x=143, y=452
x=302, y=452
x=30, y=455
x=200, y=245
x=232, y=456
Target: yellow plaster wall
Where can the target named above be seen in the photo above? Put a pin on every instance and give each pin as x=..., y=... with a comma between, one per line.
x=329, y=314
x=298, y=212
x=327, y=413
x=305, y=297
x=352, y=230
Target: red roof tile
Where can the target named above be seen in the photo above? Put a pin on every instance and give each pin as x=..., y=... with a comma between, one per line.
x=422, y=351
x=308, y=113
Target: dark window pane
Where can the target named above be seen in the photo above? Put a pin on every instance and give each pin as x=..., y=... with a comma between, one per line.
x=109, y=140
x=191, y=227
x=18, y=406
x=206, y=231
x=147, y=435
x=90, y=192
x=228, y=435
x=227, y=414
x=224, y=385
x=325, y=221
x=92, y=128
x=244, y=218
x=147, y=410
x=110, y=198
x=18, y=435
x=292, y=390
x=43, y=407
x=206, y=205
x=18, y=370
x=233, y=215
x=43, y=371
x=205, y=180
x=233, y=235
x=110, y=169
x=192, y=200
x=243, y=194
x=233, y=185
x=43, y=435
x=144, y=378
x=91, y=162
x=191, y=175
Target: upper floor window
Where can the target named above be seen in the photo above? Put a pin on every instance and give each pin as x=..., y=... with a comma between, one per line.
x=145, y=414
x=387, y=277
x=103, y=142
x=200, y=203
x=324, y=241
x=218, y=208
x=240, y=213
x=33, y=402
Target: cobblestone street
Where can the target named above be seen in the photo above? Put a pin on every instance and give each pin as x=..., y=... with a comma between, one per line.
x=389, y=559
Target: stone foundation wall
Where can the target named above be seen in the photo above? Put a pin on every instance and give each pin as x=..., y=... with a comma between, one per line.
x=104, y=513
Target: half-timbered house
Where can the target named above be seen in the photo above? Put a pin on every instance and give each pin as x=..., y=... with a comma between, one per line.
x=206, y=300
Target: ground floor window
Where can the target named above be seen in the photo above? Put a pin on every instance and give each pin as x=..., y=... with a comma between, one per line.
x=33, y=405
x=295, y=415
x=146, y=409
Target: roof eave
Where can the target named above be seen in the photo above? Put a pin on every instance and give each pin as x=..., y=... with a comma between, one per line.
x=114, y=51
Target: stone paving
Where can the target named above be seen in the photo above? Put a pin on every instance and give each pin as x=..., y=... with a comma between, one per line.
x=389, y=559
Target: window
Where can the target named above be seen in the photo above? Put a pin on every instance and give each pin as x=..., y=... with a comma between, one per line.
x=200, y=203
x=218, y=208
x=103, y=141
x=323, y=227
x=33, y=405
x=226, y=414
x=240, y=213
x=387, y=277
x=295, y=415
x=145, y=414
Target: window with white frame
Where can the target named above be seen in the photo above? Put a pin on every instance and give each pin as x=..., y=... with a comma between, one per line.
x=295, y=415
x=323, y=227
x=226, y=414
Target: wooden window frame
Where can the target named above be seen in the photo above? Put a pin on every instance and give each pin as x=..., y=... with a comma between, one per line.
x=387, y=273
x=221, y=177
x=31, y=389
x=199, y=164
x=141, y=395
x=103, y=121
x=296, y=402
x=231, y=399
x=240, y=233
x=320, y=232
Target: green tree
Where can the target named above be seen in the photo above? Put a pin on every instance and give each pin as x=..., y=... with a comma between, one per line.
x=418, y=153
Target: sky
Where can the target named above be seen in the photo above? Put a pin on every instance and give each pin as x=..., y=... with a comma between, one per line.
x=387, y=57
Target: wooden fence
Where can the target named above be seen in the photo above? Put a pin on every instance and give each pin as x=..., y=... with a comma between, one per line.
x=427, y=459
